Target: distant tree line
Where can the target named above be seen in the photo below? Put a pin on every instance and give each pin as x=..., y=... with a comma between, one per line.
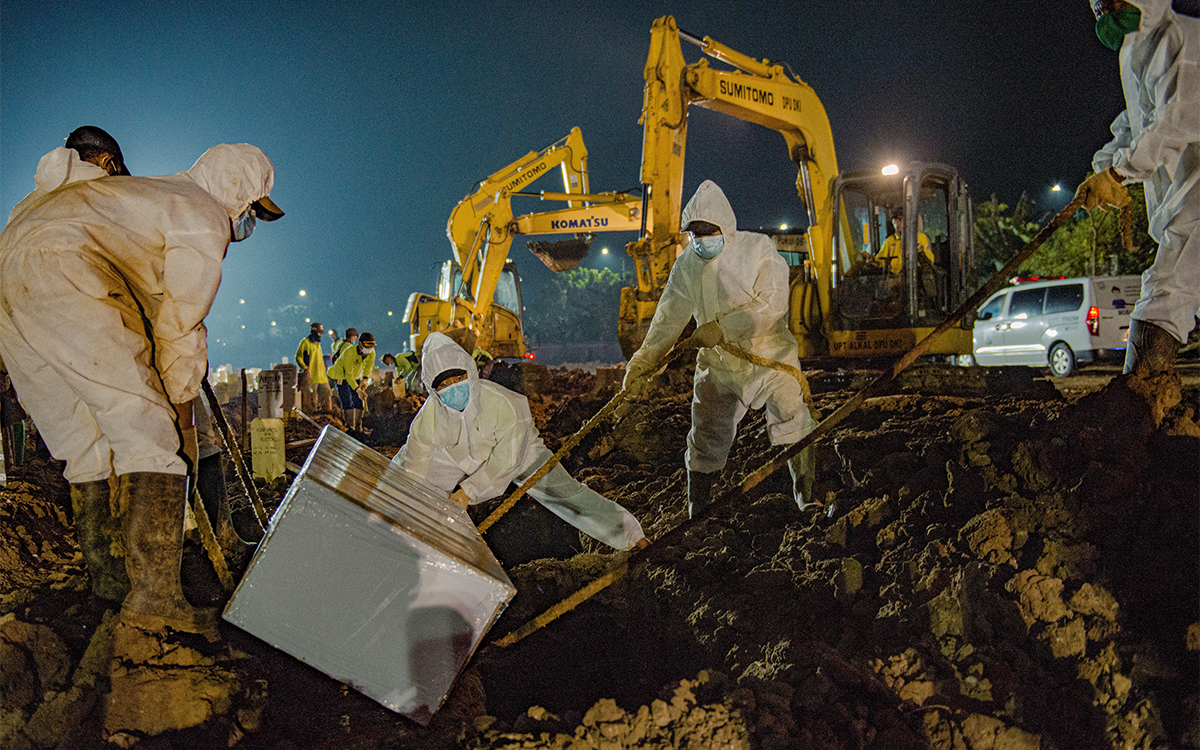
x=1088, y=245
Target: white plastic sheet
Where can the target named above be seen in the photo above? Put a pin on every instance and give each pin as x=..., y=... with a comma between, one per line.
x=373, y=578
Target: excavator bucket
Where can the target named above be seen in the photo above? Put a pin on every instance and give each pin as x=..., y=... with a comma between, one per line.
x=464, y=337
x=561, y=255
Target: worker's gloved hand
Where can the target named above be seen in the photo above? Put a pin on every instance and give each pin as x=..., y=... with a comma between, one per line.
x=707, y=335
x=461, y=497
x=191, y=446
x=362, y=393
x=1103, y=190
x=637, y=377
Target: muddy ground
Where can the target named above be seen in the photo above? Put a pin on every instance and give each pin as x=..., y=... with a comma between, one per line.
x=1000, y=572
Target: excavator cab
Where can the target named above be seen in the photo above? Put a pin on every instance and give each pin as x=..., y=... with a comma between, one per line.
x=503, y=326
x=903, y=254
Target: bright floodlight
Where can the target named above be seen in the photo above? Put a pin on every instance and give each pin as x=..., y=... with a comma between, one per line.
x=272, y=322
x=389, y=312
x=783, y=227
x=241, y=302
x=1056, y=189
x=891, y=169
x=307, y=320
x=604, y=251
x=302, y=292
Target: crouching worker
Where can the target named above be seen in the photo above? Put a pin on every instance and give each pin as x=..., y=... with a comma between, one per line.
x=473, y=437
x=104, y=285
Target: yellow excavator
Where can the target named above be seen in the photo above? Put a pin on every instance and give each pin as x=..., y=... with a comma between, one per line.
x=478, y=302
x=844, y=302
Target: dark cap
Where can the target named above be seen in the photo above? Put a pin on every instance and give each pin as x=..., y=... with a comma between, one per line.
x=90, y=141
x=315, y=326
x=351, y=332
x=366, y=339
x=265, y=209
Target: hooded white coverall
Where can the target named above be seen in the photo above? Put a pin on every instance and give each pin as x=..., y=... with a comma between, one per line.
x=104, y=285
x=1156, y=141
x=493, y=442
x=745, y=289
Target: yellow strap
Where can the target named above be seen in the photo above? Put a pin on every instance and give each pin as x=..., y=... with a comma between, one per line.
x=741, y=353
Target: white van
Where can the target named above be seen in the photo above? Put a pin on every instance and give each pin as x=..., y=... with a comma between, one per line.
x=1056, y=322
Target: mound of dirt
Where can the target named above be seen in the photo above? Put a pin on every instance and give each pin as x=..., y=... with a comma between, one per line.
x=1004, y=572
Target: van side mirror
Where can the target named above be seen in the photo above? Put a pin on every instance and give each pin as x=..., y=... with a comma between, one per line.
x=985, y=316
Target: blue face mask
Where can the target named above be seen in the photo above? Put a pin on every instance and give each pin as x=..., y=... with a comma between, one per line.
x=243, y=225
x=708, y=247
x=456, y=395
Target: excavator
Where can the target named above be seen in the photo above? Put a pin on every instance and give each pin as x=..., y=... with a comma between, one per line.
x=845, y=301
x=478, y=302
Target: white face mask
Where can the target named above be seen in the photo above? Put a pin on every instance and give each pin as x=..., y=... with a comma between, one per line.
x=708, y=247
x=243, y=225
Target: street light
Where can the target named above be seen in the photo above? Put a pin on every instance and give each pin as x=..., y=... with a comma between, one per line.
x=302, y=292
x=891, y=169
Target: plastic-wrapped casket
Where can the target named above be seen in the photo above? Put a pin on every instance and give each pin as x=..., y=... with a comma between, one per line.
x=372, y=577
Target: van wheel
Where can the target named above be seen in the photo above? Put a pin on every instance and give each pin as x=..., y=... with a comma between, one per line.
x=1062, y=360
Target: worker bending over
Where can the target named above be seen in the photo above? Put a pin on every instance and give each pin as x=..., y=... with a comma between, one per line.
x=735, y=285
x=473, y=437
x=351, y=373
x=104, y=285
x=1156, y=141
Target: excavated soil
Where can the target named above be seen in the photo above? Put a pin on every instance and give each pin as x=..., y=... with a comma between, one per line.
x=995, y=573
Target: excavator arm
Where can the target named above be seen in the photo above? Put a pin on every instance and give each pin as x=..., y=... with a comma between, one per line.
x=756, y=91
x=481, y=229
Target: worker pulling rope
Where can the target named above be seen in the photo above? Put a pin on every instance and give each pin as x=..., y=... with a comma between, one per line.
x=875, y=388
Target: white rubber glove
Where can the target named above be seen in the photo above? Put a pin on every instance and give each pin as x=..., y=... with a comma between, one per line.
x=707, y=335
x=1103, y=190
x=637, y=376
x=460, y=497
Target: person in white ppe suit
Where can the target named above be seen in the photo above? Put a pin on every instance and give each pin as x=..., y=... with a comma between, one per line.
x=735, y=285
x=473, y=437
x=1156, y=141
x=104, y=285
x=90, y=152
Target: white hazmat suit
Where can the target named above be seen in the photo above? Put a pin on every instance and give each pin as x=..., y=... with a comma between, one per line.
x=745, y=289
x=1156, y=141
x=104, y=285
x=492, y=443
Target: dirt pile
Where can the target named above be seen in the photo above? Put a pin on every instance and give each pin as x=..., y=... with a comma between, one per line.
x=1002, y=572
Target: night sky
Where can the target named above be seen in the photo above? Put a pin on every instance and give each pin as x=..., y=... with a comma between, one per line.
x=380, y=117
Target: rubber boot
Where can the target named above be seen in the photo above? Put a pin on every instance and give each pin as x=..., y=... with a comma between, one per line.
x=152, y=510
x=100, y=539
x=1150, y=350
x=699, y=491
x=215, y=496
x=803, y=468
x=18, y=443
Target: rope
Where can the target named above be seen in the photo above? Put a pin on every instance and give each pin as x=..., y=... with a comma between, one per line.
x=209, y=539
x=795, y=372
x=876, y=387
x=229, y=443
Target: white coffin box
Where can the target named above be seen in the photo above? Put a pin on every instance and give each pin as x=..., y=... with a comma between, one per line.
x=372, y=577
